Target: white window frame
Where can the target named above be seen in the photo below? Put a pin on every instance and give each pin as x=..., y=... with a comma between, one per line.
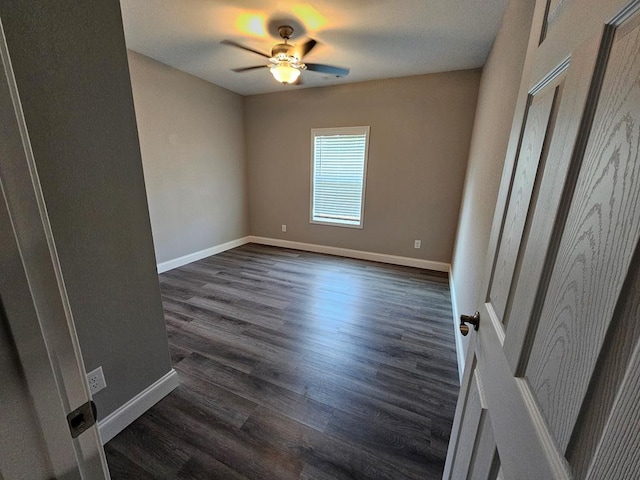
x=339, y=131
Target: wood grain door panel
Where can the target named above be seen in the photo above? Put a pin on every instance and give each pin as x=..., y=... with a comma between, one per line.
x=597, y=245
x=530, y=162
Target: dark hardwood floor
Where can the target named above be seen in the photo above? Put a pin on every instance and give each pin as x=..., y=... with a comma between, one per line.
x=299, y=366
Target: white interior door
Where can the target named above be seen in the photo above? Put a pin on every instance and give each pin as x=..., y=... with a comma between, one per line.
x=37, y=324
x=552, y=386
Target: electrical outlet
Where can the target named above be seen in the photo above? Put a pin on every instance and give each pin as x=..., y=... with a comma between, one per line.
x=96, y=380
x=284, y=228
x=417, y=243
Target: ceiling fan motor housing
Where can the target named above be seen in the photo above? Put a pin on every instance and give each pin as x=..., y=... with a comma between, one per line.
x=284, y=51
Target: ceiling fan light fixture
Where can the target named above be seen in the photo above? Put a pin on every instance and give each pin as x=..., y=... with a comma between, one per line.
x=285, y=73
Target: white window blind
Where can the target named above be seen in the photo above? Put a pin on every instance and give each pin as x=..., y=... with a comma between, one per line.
x=339, y=159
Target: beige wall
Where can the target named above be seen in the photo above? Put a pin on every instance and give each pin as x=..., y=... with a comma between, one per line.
x=192, y=142
x=496, y=103
x=71, y=72
x=419, y=143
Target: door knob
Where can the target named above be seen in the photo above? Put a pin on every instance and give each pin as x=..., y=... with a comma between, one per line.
x=471, y=319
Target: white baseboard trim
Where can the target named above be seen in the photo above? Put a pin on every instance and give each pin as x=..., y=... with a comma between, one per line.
x=309, y=247
x=359, y=254
x=124, y=416
x=194, y=257
x=454, y=307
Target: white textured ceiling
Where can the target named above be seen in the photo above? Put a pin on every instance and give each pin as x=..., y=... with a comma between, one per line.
x=374, y=38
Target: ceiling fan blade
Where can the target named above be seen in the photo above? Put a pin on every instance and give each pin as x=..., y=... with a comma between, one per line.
x=246, y=69
x=306, y=47
x=328, y=69
x=248, y=49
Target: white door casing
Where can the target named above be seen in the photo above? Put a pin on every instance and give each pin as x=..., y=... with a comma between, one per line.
x=551, y=383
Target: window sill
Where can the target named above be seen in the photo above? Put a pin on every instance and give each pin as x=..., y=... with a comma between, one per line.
x=336, y=224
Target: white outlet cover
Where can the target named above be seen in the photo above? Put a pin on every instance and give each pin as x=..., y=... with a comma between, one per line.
x=284, y=228
x=96, y=380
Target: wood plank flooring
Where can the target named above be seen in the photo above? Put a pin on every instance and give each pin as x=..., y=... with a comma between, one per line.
x=297, y=365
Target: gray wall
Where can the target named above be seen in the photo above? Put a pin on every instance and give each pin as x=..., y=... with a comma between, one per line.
x=419, y=143
x=71, y=69
x=192, y=142
x=23, y=454
x=496, y=103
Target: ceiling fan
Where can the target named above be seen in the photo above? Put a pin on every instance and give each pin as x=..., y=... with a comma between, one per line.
x=285, y=61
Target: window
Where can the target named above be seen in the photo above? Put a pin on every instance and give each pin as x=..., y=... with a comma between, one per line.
x=338, y=170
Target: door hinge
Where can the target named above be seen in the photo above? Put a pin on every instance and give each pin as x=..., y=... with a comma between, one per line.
x=82, y=418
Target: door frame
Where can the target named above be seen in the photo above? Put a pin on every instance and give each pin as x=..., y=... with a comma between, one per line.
x=36, y=302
